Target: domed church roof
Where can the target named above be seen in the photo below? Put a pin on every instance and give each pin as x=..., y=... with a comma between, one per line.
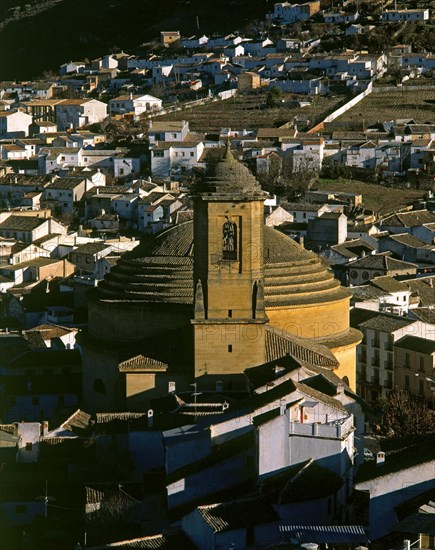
x=231, y=178
x=161, y=271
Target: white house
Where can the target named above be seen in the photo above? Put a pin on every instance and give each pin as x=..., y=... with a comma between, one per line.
x=404, y=15
x=398, y=477
x=341, y=17
x=134, y=104
x=14, y=124
x=286, y=12
x=361, y=155
x=375, y=357
x=175, y=158
x=75, y=113
x=176, y=130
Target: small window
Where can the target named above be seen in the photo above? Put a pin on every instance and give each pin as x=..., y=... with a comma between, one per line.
x=230, y=313
x=421, y=363
x=99, y=386
x=29, y=446
x=230, y=348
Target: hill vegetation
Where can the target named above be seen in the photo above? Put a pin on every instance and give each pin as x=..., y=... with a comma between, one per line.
x=39, y=35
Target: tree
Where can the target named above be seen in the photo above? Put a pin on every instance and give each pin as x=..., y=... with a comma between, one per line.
x=274, y=97
x=406, y=414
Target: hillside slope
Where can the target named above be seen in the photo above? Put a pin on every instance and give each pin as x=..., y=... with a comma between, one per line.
x=75, y=29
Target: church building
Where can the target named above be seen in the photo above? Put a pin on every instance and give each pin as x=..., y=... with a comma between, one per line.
x=201, y=302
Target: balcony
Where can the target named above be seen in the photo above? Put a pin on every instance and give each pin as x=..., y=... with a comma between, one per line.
x=339, y=429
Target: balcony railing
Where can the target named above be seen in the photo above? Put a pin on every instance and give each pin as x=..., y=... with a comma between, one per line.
x=338, y=429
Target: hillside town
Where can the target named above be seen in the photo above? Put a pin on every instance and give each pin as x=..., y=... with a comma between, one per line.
x=217, y=269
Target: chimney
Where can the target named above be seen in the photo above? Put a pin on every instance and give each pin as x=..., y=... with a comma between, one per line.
x=150, y=416
x=380, y=458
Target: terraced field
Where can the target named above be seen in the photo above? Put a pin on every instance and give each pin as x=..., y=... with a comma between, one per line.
x=247, y=112
x=405, y=103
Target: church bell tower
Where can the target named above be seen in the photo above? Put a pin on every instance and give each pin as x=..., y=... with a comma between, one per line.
x=229, y=315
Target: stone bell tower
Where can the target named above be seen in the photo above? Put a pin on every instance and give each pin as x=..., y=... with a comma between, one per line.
x=229, y=316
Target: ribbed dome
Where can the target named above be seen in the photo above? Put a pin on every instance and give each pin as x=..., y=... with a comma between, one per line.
x=161, y=271
x=231, y=178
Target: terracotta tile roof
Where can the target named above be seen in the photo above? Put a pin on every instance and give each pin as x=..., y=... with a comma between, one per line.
x=79, y=421
x=238, y=514
x=381, y=262
x=353, y=248
x=425, y=288
x=66, y=183
x=104, y=418
x=301, y=482
x=320, y=396
x=366, y=292
x=389, y=284
x=414, y=343
x=386, y=323
x=260, y=375
x=409, y=219
x=154, y=542
x=91, y=248
x=410, y=241
x=279, y=343
x=22, y=223
x=425, y=314
x=140, y=362
x=50, y=331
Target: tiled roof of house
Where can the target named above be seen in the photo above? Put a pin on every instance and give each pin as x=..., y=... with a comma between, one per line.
x=177, y=541
x=238, y=514
x=301, y=207
x=21, y=223
x=276, y=133
x=46, y=238
x=425, y=314
x=320, y=396
x=414, y=343
x=382, y=262
x=425, y=288
x=50, y=331
x=167, y=126
x=386, y=323
x=409, y=219
x=91, y=248
x=78, y=421
x=410, y=241
x=140, y=362
x=353, y=248
x=260, y=375
x=388, y=284
x=413, y=455
x=301, y=482
x=19, y=246
x=66, y=183
x=333, y=535
x=279, y=343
